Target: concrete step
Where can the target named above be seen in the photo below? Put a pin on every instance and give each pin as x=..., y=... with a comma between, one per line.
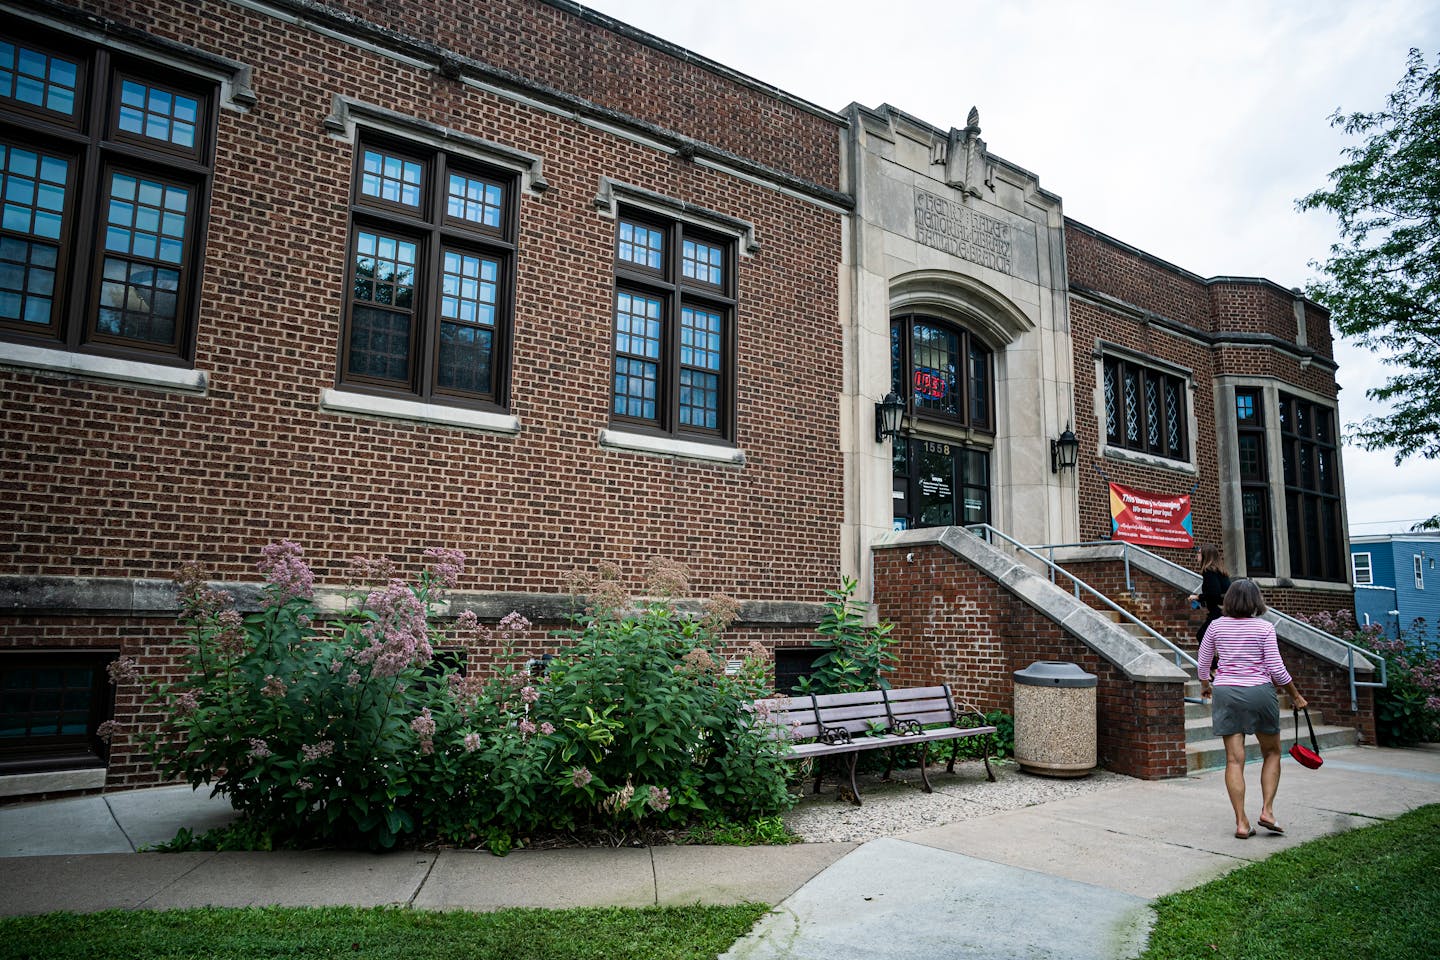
x=1198, y=726
x=1210, y=754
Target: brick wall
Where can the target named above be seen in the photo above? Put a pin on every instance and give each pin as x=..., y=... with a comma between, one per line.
x=114, y=480
x=1180, y=319
x=955, y=625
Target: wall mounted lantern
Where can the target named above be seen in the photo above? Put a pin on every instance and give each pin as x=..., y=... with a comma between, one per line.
x=887, y=417
x=1064, y=451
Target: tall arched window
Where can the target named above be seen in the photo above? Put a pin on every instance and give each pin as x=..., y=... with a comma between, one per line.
x=942, y=463
x=942, y=371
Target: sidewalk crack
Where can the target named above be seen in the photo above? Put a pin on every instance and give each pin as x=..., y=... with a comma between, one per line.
x=123, y=832
x=654, y=875
x=198, y=864
x=410, y=904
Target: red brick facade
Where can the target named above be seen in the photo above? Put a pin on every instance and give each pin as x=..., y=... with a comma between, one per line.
x=122, y=481
x=955, y=625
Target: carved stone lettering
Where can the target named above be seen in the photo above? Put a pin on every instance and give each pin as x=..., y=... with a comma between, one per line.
x=962, y=232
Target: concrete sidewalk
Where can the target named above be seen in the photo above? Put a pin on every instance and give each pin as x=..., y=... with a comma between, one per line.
x=1067, y=879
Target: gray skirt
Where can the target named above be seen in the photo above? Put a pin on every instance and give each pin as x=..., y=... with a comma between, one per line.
x=1245, y=710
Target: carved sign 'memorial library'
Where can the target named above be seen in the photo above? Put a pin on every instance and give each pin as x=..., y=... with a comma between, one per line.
x=961, y=232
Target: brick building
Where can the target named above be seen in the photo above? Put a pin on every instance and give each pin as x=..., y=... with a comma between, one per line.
x=519, y=279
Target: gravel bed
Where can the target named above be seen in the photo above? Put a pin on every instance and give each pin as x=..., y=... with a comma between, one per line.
x=900, y=805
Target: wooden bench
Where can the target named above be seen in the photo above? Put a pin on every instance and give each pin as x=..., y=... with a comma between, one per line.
x=846, y=724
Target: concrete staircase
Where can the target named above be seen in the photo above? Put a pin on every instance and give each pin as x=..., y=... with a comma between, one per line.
x=1204, y=750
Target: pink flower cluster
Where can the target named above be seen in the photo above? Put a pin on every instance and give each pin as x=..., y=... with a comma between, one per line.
x=284, y=566
x=274, y=687
x=445, y=566
x=259, y=749
x=106, y=730
x=186, y=703
x=529, y=695
x=472, y=742
x=314, y=751
x=123, y=670
x=580, y=777
x=399, y=636
x=230, y=635
x=424, y=727
x=659, y=799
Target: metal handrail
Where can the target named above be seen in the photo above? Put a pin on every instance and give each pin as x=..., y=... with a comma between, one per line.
x=1370, y=656
x=1180, y=655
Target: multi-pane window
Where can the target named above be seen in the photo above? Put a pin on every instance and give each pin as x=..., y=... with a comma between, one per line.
x=1254, y=482
x=1419, y=572
x=673, y=329
x=83, y=129
x=51, y=705
x=1145, y=409
x=431, y=255
x=943, y=372
x=1312, y=490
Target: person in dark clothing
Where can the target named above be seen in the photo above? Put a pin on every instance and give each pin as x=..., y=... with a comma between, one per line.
x=1214, y=581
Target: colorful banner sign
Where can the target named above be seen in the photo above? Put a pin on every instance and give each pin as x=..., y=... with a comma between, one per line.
x=1150, y=519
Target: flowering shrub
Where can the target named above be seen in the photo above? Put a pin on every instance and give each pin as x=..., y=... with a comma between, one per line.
x=1407, y=710
x=648, y=719
x=336, y=729
x=309, y=725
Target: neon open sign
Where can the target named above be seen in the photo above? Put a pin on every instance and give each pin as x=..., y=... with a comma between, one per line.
x=930, y=384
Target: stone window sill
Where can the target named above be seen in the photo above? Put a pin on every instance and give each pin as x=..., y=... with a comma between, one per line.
x=134, y=372
x=670, y=447
x=364, y=404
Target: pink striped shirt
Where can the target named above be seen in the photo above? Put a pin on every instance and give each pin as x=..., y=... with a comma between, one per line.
x=1249, y=654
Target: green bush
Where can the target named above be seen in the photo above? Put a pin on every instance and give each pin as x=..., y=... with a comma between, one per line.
x=1407, y=709
x=651, y=724
x=335, y=728
x=857, y=656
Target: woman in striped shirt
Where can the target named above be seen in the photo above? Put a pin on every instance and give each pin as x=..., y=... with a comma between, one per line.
x=1249, y=672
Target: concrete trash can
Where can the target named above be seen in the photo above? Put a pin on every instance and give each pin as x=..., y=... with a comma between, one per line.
x=1055, y=719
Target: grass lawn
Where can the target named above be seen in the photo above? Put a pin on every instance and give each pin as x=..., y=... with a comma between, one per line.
x=654, y=933
x=1369, y=894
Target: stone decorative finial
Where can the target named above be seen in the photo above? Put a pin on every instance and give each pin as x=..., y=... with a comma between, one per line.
x=967, y=164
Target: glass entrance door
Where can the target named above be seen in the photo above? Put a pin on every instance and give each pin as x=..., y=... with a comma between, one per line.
x=939, y=483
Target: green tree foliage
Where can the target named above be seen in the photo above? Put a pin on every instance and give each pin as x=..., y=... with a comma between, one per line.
x=1382, y=281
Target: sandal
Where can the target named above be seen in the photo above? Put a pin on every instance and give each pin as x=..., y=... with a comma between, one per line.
x=1271, y=825
x=1244, y=836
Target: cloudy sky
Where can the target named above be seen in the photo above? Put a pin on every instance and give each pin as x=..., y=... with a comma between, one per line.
x=1187, y=129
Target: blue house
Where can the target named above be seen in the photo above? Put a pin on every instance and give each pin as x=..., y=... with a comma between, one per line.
x=1397, y=581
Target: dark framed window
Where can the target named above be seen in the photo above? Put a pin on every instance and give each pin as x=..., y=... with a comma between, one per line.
x=674, y=329
x=430, y=297
x=1312, y=490
x=1145, y=409
x=938, y=483
x=943, y=371
x=105, y=171
x=1254, y=482
x=51, y=705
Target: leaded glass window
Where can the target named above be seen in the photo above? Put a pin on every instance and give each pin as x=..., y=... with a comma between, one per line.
x=943, y=371
x=1145, y=409
x=1312, y=495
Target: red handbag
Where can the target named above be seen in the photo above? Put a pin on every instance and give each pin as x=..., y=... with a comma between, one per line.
x=1306, y=756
